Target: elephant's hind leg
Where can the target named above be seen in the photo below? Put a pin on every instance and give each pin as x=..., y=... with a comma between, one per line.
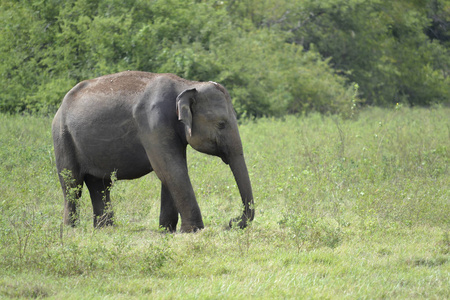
x=99, y=190
x=168, y=217
x=71, y=188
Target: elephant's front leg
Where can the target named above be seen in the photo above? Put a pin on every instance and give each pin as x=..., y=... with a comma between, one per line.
x=180, y=189
x=168, y=217
x=171, y=168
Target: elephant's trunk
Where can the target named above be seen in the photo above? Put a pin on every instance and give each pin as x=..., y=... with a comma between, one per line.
x=240, y=172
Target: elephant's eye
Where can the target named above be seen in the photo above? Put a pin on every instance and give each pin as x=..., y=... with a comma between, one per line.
x=221, y=125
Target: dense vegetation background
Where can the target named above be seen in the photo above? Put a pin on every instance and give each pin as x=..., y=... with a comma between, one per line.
x=274, y=56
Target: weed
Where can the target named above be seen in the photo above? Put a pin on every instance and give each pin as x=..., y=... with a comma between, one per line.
x=73, y=193
x=310, y=233
x=427, y=262
x=23, y=225
x=156, y=256
x=244, y=237
x=444, y=244
x=24, y=290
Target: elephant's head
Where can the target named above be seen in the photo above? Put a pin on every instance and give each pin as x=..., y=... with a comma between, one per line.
x=211, y=127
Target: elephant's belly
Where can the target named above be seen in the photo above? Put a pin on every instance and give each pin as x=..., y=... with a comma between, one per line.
x=127, y=159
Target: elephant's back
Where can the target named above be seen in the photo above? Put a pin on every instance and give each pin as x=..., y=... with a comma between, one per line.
x=124, y=86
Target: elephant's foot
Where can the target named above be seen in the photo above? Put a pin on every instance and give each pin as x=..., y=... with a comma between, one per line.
x=70, y=223
x=168, y=222
x=191, y=228
x=168, y=228
x=240, y=222
x=71, y=219
x=104, y=220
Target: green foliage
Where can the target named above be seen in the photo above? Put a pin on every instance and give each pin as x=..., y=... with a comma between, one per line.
x=379, y=44
x=275, y=57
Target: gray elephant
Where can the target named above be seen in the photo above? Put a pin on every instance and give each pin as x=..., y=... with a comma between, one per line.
x=132, y=123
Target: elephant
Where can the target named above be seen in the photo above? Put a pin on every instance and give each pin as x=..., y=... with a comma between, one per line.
x=132, y=123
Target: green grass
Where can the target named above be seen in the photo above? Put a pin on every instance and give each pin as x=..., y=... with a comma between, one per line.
x=344, y=209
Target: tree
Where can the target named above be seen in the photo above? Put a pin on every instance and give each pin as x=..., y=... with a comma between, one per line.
x=275, y=57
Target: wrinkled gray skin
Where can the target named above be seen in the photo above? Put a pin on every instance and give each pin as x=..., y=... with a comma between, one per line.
x=137, y=122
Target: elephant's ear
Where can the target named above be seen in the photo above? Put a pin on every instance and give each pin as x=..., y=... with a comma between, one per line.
x=184, y=101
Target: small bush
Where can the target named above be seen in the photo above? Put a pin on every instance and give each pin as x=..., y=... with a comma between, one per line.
x=310, y=232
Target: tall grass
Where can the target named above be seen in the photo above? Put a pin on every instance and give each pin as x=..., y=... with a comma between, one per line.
x=344, y=209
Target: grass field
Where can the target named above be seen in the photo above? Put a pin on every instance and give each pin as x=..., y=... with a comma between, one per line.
x=344, y=209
